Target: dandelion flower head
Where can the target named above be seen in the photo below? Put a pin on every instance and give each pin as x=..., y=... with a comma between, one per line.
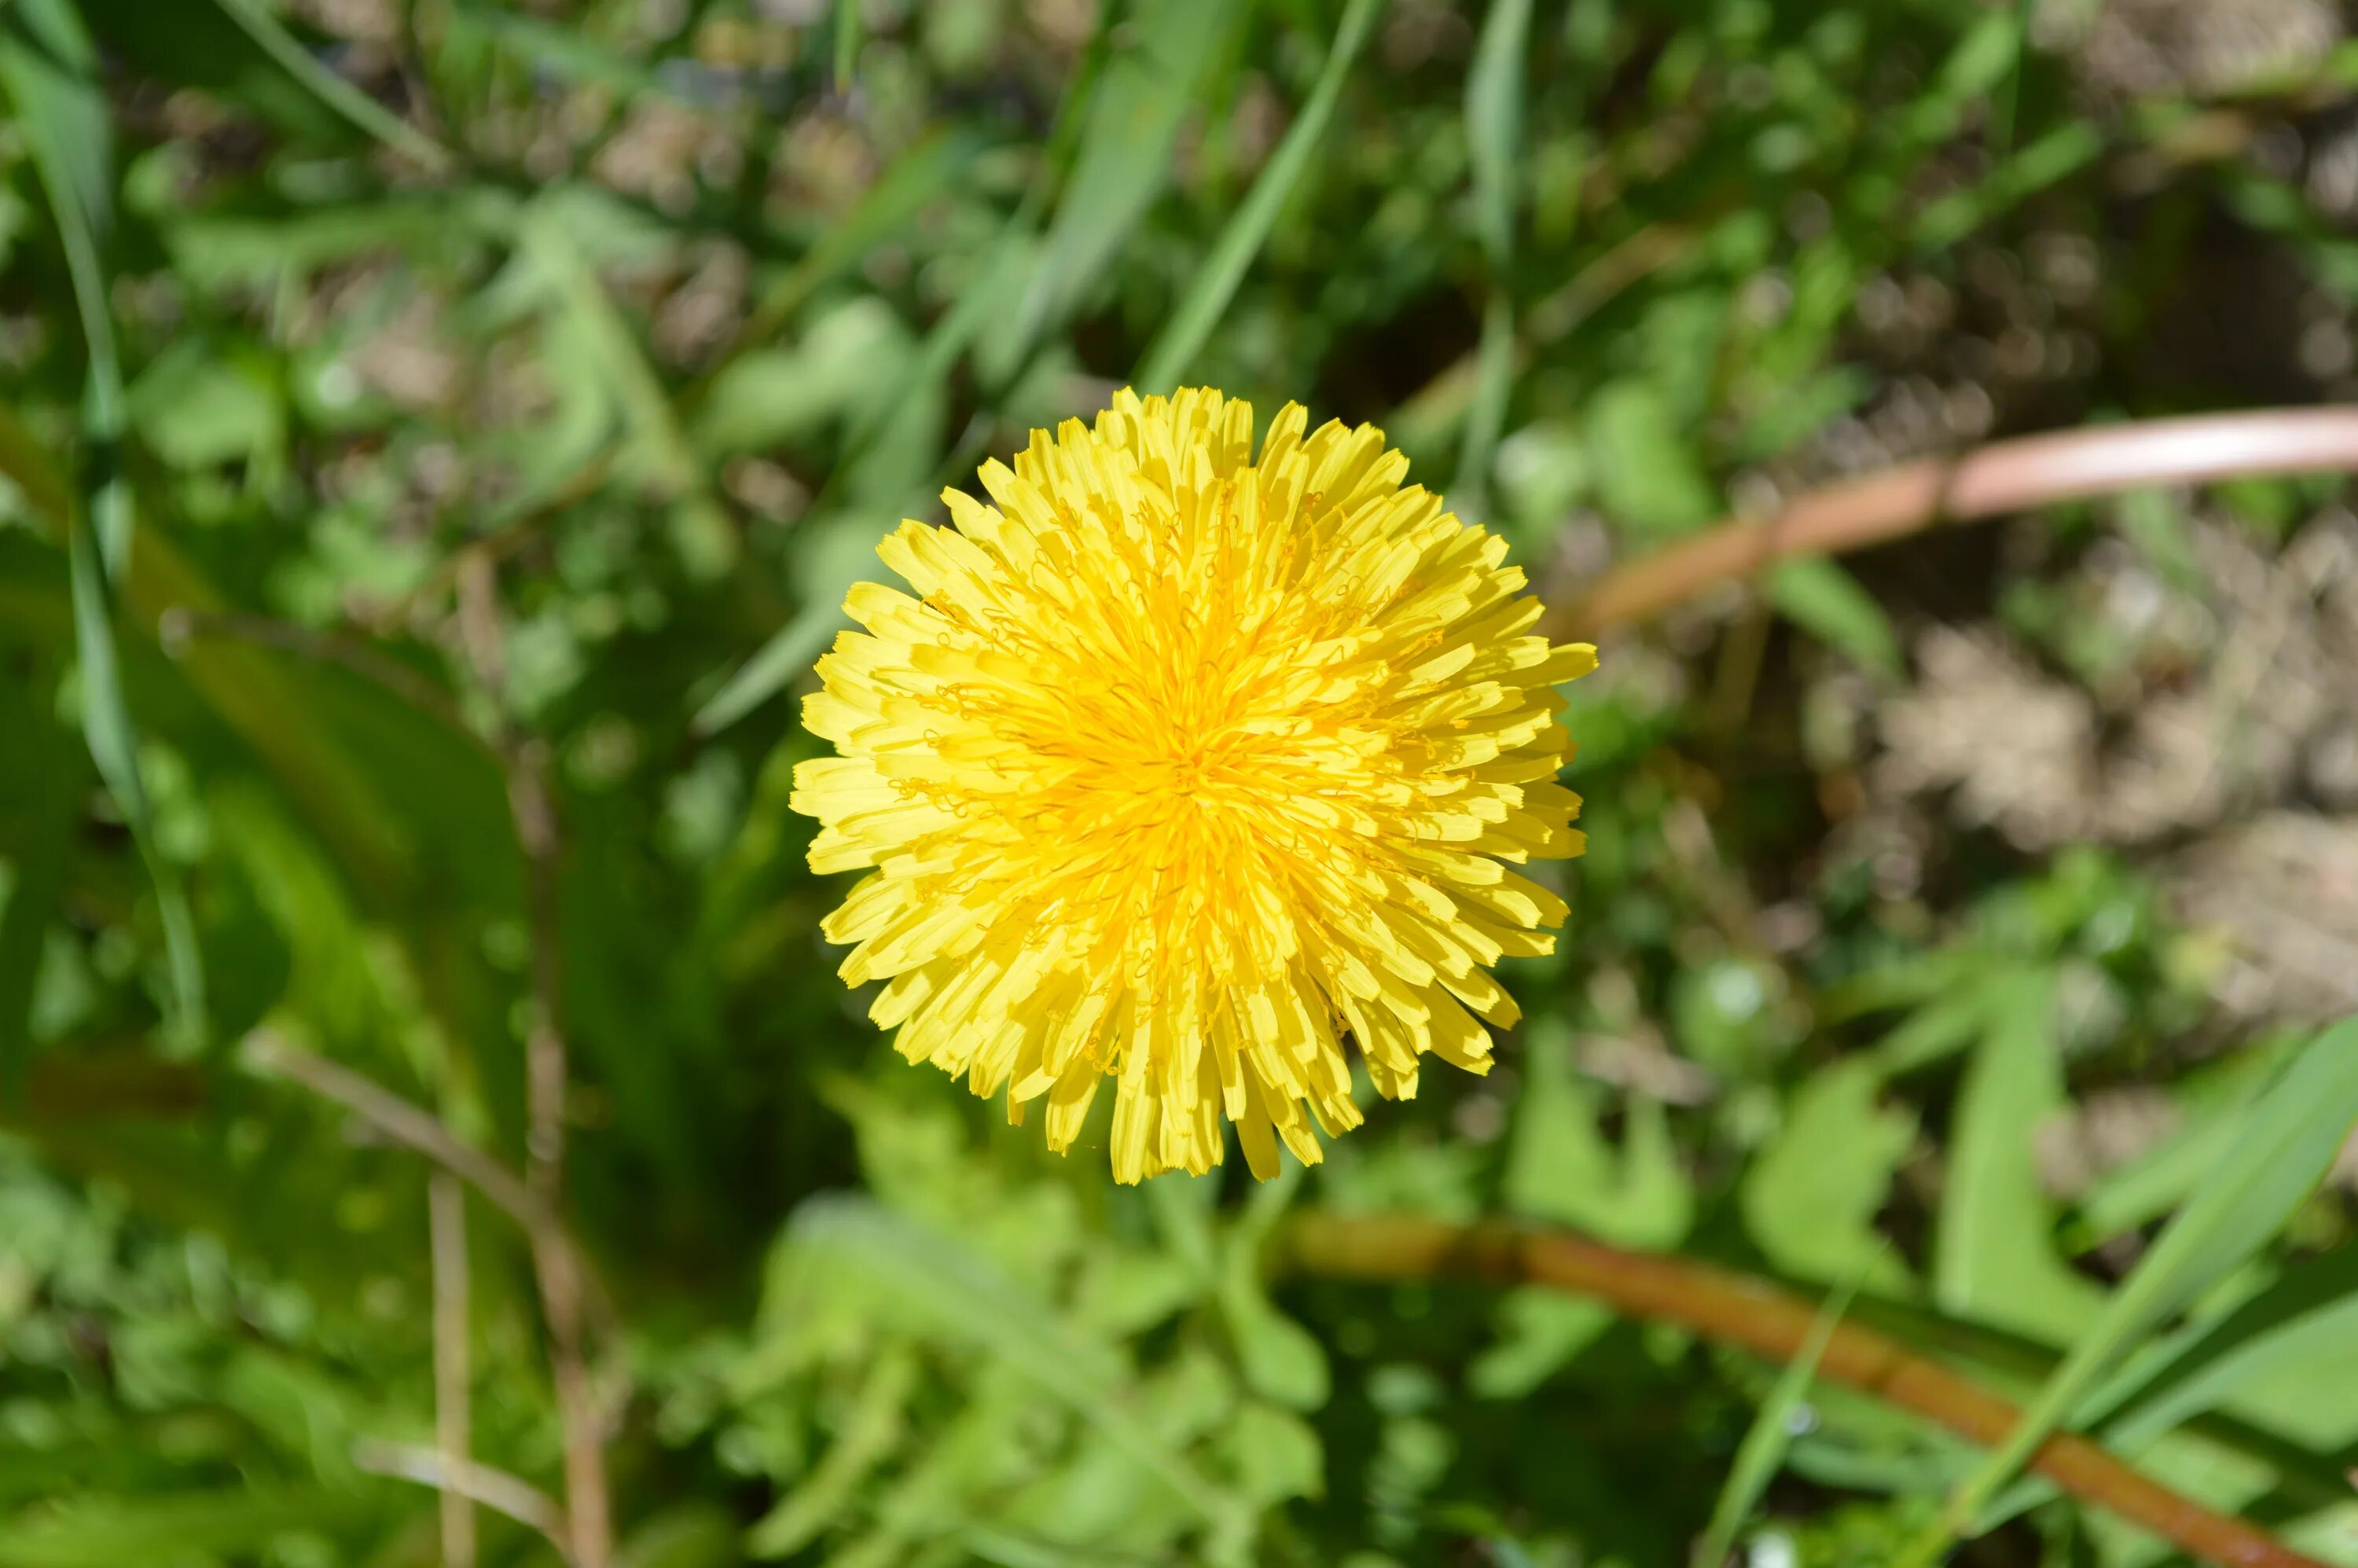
x=1193, y=772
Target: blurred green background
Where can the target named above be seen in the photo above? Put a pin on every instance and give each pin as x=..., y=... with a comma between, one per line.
x=399, y=389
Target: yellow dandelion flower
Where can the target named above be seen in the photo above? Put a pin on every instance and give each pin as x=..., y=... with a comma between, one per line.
x=1191, y=771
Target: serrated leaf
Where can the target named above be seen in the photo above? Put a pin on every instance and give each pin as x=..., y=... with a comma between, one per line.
x=1994, y=1260
x=1811, y=1198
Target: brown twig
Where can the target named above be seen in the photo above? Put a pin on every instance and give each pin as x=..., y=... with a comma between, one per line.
x=533, y=805
x=2005, y=477
x=446, y=1212
x=1736, y=1309
x=495, y=1489
x=402, y=1122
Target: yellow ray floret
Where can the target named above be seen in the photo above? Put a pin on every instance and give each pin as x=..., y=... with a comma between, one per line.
x=1192, y=771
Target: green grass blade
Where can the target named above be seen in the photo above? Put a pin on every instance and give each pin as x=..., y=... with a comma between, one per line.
x=2281, y=1153
x=846, y=42
x=842, y=550
x=1494, y=123
x=1215, y=284
x=39, y=785
x=50, y=69
x=2006, y=100
x=349, y=103
x=48, y=66
x=1762, y=1452
x=919, y=175
x=1125, y=158
x=1486, y=417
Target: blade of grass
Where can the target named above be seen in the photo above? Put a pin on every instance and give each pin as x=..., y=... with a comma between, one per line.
x=244, y=685
x=1494, y=120
x=363, y=112
x=2281, y=1153
x=1494, y=117
x=49, y=67
x=1215, y=284
x=846, y=42
x=1486, y=416
x=2007, y=99
x=793, y=646
x=41, y=780
x=1762, y=1452
x=920, y=175
x=1125, y=155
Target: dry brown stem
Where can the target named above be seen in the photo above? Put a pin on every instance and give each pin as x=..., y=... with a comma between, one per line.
x=1752, y=1313
x=2005, y=477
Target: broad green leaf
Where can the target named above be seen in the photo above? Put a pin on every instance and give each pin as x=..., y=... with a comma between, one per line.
x=1175, y=348
x=1276, y=1454
x=2281, y=1154
x=1646, y=475
x=1560, y=1166
x=1827, y=601
x=691, y=1535
x=586, y=322
x=1539, y=1332
x=933, y=1280
x=116, y=1532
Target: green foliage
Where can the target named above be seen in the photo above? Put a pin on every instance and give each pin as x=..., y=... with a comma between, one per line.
x=403, y=397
